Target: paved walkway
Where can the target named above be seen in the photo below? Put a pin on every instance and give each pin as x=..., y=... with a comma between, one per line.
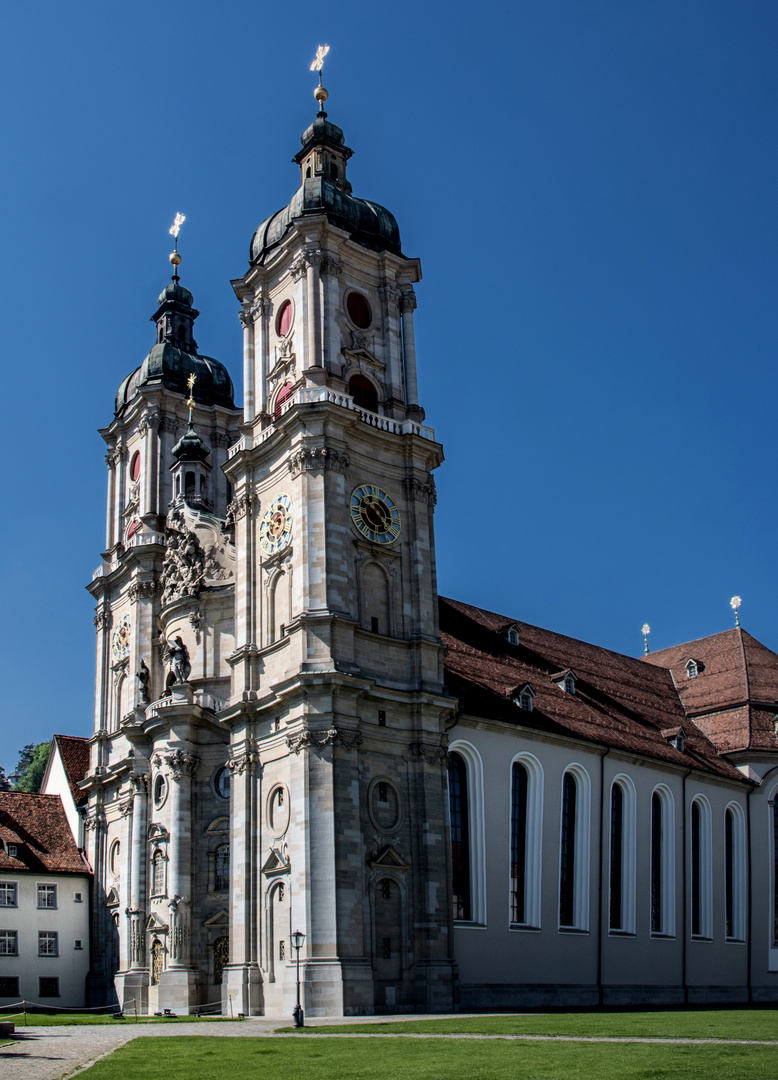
x=49, y=1053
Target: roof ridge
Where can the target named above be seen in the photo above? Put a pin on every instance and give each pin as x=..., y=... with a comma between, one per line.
x=747, y=686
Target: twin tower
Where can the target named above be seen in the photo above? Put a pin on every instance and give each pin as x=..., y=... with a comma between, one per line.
x=269, y=750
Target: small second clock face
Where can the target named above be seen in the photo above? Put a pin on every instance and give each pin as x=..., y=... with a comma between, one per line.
x=276, y=526
x=375, y=514
x=120, y=645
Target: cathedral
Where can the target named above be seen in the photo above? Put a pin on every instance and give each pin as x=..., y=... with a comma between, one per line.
x=302, y=753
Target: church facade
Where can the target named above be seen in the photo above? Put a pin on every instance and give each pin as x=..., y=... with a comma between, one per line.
x=294, y=732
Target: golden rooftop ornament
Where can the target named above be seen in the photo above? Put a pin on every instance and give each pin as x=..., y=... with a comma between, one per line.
x=320, y=93
x=191, y=402
x=735, y=603
x=645, y=631
x=174, y=230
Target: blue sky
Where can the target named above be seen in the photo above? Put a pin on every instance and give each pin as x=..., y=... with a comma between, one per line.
x=590, y=186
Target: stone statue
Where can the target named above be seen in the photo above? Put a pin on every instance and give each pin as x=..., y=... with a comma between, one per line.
x=143, y=675
x=178, y=658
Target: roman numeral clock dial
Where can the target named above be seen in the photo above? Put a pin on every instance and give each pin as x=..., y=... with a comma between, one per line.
x=374, y=514
x=276, y=526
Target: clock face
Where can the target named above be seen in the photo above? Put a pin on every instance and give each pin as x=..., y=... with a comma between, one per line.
x=375, y=514
x=120, y=644
x=276, y=526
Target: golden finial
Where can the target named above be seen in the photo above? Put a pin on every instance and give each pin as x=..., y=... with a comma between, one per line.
x=174, y=230
x=735, y=603
x=320, y=93
x=191, y=402
x=645, y=631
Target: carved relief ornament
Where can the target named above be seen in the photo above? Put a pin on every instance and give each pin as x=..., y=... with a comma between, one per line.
x=180, y=764
x=433, y=755
x=319, y=457
x=240, y=761
x=408, y=302
x=423, y=490
x=316, y=740
x=102, y=619
x=141, y=590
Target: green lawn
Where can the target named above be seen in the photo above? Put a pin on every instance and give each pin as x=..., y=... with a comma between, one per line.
x=689, y=1024
x=175, y=1058
x=47, y=1020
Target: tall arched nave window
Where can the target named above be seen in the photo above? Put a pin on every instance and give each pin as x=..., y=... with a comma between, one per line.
x=662, y=862
x=574, y=850
x=466, y=823
x=734, y=873
x=622, y=856
x=526, y=839
x=701, y=869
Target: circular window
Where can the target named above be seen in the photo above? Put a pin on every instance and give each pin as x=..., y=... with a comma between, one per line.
x=221, y=782
x=113, y=858
x=135, y=466
x=278, y=810
x=160, y=790
x=384, y=804
x=284, y=318
x=359, y=310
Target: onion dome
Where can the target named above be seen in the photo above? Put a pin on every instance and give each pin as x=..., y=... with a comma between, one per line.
x=175, y=357
x=191, y=447
x=324, y=189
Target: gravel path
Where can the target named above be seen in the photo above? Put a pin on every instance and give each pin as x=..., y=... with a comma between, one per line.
x=49, y=1053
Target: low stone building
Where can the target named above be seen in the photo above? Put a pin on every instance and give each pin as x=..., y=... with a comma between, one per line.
x=45, y=888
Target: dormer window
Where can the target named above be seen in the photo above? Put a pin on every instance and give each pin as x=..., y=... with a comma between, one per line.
x=692, y=669
x=676, y=737
x=524, y=697
x=12, y=850
x=511, y=634
x=565, y=680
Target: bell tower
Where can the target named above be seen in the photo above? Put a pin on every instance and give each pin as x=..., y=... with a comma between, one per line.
x=338, y=709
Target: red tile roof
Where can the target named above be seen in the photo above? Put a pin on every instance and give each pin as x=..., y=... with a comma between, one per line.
x=734, y=696
x=74, y=752
x=619, y=701
x=38, y=826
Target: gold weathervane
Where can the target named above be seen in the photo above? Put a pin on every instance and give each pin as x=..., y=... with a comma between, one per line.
x=174, y=230
x=191, y=402
x=320, y=93
x=735, y=603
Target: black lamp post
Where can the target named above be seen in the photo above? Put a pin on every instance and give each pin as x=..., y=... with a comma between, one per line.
x=297, y=943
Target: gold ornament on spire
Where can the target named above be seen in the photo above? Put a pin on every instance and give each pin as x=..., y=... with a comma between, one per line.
x=320, y=92
x=735, y=603
x=645, y=631
x=191, y=402
x=174, y=230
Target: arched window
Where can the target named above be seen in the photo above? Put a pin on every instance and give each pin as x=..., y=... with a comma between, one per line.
x=734, y=874
x=662, y=863
x=375, y=599
x=221, y=957
x=158, y=874
x=280, y=609
x=363, y=392
x=189, y=483
x=333, y=172
x=526, y=840
x=460, y=836
x=157, y=954
x=574, y=843
x=222, y=881
x=622, y=856
x=283, y=395
x=701, y=885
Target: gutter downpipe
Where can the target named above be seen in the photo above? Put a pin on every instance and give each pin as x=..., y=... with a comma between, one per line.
x=600, y=913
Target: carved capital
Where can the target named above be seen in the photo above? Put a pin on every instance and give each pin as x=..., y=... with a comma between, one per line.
x=109, y=459
x=298, y=268
x=168, y=424
x=181, y=764
x=140, y=782
x=241, y=760
x=423, y=490
x=126, y=807
x=317, y=740
x=94, y=823
x=141, y=590
x=223, y=439
x=433, y=755
x=407, y=302
x=102, y=619
x=330, y=264
x=390, y=294
x=239, y=507
x=319, y=457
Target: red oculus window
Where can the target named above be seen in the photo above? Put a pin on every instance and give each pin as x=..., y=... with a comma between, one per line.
x=284, y=318
x=359, y=310
x=135, y=466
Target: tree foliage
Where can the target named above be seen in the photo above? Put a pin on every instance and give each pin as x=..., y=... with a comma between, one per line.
x=32, y=766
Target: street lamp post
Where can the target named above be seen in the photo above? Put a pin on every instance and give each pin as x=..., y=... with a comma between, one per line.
x=297, y=943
